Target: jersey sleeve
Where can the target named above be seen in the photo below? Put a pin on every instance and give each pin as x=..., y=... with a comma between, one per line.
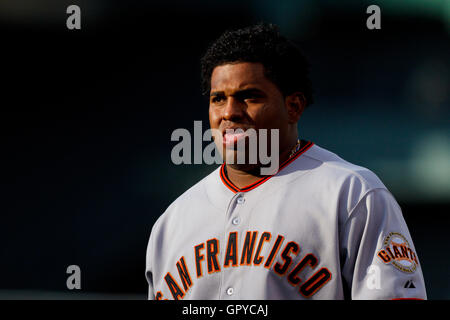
x=379, y=260
x=148, y=266
x=151, y=293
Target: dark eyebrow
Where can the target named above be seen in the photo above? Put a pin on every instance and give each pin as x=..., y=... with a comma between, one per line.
x=247, y=91
x=238, y=92
x=216, y=93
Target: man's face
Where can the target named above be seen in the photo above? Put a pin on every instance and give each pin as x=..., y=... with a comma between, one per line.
x=241, y=97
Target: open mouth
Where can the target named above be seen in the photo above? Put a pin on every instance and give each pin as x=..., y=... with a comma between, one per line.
x=232, y=136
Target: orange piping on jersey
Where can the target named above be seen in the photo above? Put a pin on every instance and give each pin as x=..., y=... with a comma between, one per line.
x=232, y=187
x=227, y=182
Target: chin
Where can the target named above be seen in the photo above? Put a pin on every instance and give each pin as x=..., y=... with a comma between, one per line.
x=243, y=167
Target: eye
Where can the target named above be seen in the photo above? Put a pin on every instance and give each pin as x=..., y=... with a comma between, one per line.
x=251, y=97
x=217, y=99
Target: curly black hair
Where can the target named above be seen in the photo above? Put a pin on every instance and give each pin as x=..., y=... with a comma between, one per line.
x=284, y=64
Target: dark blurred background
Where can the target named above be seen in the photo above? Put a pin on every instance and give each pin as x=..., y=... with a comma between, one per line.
x=86, y=119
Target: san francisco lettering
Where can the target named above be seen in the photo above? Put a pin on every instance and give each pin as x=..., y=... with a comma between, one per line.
x=279, y=259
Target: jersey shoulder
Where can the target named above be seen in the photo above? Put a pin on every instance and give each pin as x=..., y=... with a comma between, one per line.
x=347, y=181
x=335, y=168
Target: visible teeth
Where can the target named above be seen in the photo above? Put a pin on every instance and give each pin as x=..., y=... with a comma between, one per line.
x=233, y=136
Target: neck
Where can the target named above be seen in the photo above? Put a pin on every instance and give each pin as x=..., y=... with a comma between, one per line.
x=243, y=175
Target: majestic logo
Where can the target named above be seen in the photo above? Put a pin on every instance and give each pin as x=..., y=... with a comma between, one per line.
x=397, y=251
x=409, y=285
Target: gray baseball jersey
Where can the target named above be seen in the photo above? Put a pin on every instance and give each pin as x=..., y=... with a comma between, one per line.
x=321, y=228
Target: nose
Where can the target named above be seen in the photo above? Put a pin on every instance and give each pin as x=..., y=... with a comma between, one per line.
x=234, y=109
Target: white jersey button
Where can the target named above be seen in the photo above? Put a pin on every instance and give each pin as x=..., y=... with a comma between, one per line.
x=236, y=221
x=230, y=291
x=241, y=200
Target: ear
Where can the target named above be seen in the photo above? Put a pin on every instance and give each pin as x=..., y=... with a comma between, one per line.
x=295, y=104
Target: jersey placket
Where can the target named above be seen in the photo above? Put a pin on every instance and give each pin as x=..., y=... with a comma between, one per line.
x=229, y=288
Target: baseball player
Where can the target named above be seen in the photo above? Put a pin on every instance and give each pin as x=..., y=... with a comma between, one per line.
x=317, y=228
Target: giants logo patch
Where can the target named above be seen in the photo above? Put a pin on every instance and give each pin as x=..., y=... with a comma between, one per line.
x=396, y=250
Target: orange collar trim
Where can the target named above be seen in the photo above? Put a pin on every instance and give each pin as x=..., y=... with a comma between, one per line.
x=304, y=145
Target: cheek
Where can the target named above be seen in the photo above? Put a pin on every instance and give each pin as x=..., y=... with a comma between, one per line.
x=269, y=116
x=214, y=123
x=214, y=118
